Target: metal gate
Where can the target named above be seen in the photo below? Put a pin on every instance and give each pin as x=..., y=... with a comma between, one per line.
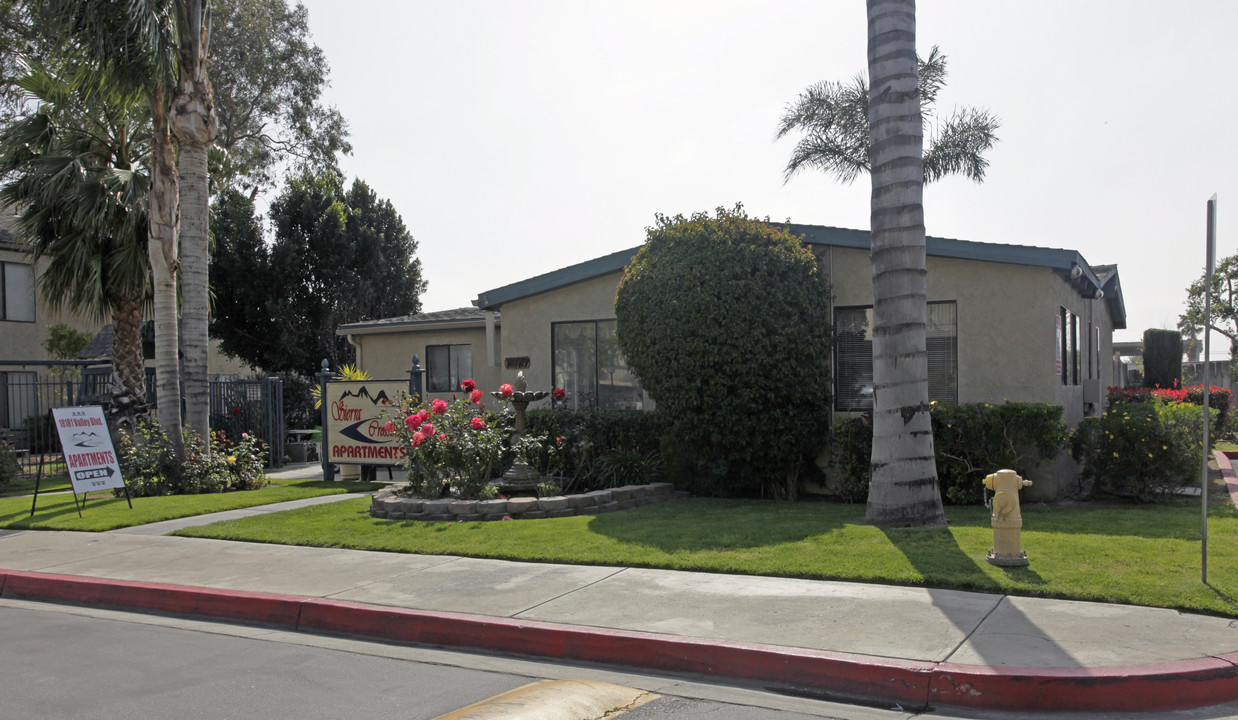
x=251, y=406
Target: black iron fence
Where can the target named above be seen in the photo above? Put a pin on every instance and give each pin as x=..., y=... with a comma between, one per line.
x=27, y=397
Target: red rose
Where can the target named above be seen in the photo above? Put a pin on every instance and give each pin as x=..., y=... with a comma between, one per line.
x=475, y=396
x=418, y=438
x=236, y=411
x=439, y=407
x=468, y=386
x=412, y=422
x=427, y=429
x=560, y=393
x=505, y=390
x=478, y=424
x=389, y=427
x=443, y=436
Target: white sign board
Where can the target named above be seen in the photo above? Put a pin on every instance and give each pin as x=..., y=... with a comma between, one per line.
x=356, y=431
x=88, y=448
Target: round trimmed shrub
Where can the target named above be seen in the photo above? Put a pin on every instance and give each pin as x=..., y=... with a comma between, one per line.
x=725, y=320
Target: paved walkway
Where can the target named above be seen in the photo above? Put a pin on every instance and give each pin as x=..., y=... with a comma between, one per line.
x=918, y=647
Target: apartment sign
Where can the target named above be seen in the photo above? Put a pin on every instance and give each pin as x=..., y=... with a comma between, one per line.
x=88, y=450
x=357, y=415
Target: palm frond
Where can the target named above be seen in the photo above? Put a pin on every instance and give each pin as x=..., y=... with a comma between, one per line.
x=957, y=146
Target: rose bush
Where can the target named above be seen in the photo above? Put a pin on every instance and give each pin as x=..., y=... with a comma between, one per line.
x=455, y=449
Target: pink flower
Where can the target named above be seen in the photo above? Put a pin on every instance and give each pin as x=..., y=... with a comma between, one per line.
x=505, y=390
x=439, y=407
x=418, y=438
x=478, y=424
x=475, y=396
x=507, y=517
x=443, y=436
x=427, y=430
x=560, y=393
x=244, y=436
x=412, y=422
x=389, y=427
x=422, y=416
x=468, y=385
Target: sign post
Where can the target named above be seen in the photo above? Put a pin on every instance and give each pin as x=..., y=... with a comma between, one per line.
x=88, y=453
x=1210, y=253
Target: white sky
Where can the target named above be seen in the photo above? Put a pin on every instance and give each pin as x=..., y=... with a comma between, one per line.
x=515, y=138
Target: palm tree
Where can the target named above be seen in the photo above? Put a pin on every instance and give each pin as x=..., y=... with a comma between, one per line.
x=133, y=45
x=904, y=488
x=833, y=118
x=194, y=126
x=75, y=171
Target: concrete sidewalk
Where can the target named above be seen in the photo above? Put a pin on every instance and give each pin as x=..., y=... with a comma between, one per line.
x=914, y=646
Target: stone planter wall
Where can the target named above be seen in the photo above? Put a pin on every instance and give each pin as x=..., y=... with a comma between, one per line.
x=386, y=504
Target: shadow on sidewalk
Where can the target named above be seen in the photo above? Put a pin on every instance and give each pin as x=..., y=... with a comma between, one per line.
x=936, y=555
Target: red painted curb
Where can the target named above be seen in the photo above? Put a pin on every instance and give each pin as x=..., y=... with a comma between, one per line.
x=841, y=674
x=270, y=609
x=1177, y=685
x=1180, y=685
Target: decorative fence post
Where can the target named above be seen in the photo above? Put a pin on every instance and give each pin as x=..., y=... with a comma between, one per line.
x=415, y=376
x=328, y=472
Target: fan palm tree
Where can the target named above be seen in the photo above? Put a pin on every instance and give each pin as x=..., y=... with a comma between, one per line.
x=904, y=487
x=194, y=127
x=76, y=173
x=833, y=118
x=159, y=47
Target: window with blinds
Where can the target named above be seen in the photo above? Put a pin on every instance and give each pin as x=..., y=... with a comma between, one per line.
x=853, y=355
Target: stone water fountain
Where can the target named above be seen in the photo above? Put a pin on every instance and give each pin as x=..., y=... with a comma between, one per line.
x=520, y=477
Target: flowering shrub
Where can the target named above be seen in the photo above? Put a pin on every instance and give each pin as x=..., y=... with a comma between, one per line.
x=454, y=448
x=1142, y=451
x=1219, y=399
x=149, y=465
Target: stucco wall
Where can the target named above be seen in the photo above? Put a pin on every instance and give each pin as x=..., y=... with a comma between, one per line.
x=390, y=355
x=24, y=340
x=1006, y=338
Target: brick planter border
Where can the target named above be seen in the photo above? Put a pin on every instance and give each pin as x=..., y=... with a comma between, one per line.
x=387, y=504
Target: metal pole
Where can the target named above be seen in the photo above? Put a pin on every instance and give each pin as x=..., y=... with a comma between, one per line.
x=1210, y=254
x=328, y=473
x=415, y=374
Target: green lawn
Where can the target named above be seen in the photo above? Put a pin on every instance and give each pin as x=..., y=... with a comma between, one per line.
x=24, y=485
x=104, y=512
x=1143, y=555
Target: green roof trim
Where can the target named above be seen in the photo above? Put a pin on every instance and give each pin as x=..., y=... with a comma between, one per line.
x=1069, y=264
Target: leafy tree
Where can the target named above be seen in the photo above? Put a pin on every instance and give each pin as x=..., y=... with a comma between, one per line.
x=268, y=79
x=833, y=118
x=904, y=489
x=337, y=257
x=726, y=322
x=64, y=342
x=1224, y=291
x=76, y=170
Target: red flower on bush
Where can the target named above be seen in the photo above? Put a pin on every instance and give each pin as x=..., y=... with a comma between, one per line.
x=427, y=429
x=412, y=422
x=505, y=390
x=439, y=407
x=236, y=411
x=418, y=438
x=468, y=385
x=478, y=424
x=560, y=393
x=389, y=427
x=443, y=436
x=476, y=396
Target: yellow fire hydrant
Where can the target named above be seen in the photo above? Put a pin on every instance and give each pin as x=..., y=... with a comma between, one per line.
x=1007, y=519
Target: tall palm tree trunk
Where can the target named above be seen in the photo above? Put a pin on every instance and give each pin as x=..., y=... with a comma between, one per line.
x=904, y=476
x=127, y=364
x=162, y=212
x=194, y=125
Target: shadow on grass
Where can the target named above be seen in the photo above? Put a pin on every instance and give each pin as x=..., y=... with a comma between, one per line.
x=703, y=524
